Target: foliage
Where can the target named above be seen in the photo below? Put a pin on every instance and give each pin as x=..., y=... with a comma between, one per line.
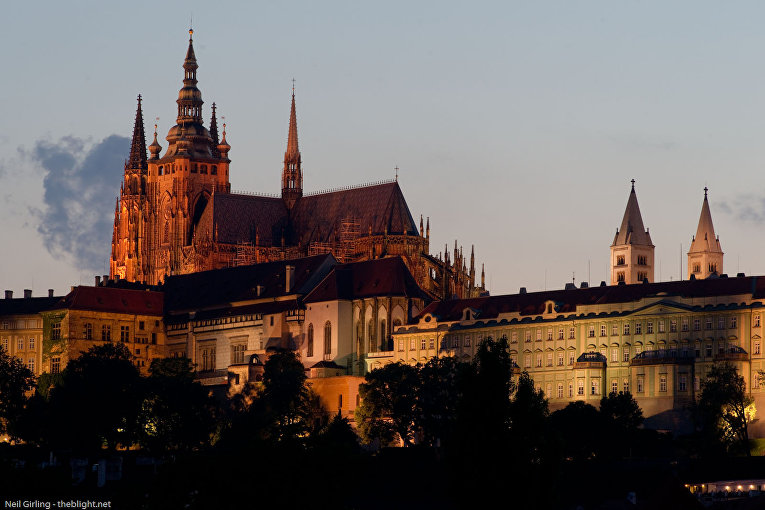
x=97, y=402
x=580, y=428
x=528, y=415
x=389, y=404
x=724, y=408
x=440, y=391
x=15, y=380
x=49, y=345
x=176, y=412
x=621, y=410
x=285, y=401
x=484, y=411
x=337, y=436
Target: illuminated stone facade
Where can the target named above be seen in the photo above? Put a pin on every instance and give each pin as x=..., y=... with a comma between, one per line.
x=21, y=327
x=176, y=213
x=91, y=316
x=657, y=340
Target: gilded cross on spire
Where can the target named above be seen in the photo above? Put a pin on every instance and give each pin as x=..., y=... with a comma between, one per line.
x=633, y=184
x=705, y=191
x=396, y=168
x=293, y=86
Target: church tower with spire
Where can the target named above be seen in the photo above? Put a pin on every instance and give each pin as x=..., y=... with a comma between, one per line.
x=632, y=258
x=292, y=174
x=705, y=258
x=172, y=189
x=127, y=259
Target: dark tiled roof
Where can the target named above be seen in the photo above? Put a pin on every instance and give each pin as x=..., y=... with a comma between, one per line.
x=533, y=303
x=381, y=207
x=21, y=306
x=109, y=299
x=228, y=310
x=315, y=218
x=221, y=287
x=237, y=218
x=380, y=277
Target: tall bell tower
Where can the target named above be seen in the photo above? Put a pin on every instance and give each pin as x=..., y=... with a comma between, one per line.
x=632, y=250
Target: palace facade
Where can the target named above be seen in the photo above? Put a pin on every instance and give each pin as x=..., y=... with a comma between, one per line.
x=655, y=340
x=176, y=213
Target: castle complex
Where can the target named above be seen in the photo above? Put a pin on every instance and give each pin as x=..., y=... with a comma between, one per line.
x=176, y=213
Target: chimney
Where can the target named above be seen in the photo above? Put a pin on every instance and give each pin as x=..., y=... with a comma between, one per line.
x=105, y=278
x=98, y=280
x=8, y=294
x=584, y=285
x=290, y=278
x=27, y=293
x=50, y=292
x=522, y=291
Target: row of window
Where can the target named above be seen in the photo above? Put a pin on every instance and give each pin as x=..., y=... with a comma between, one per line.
x=20, y=344
x=22, y=324
x=595, y=386
x=202, y=169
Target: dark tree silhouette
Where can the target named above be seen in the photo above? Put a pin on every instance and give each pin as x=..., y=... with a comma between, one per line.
x=97, y=401
x=15, y=381
x=722, y=409
x=388, y=407
x=176, y=412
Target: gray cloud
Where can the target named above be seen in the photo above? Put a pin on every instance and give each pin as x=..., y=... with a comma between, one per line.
x=80, y=186
x=745, y=207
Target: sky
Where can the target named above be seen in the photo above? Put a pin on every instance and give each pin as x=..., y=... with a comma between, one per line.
x=516, y=126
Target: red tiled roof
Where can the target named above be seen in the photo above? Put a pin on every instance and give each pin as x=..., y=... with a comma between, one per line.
x=110, y=299
x=533, y=303
x=381, y=277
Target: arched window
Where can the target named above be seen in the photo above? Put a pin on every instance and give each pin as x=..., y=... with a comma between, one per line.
x=359, y=338
x=327, y=338
x=371, y=333
x=310, y=341
x=166, y=235
x=383, y=336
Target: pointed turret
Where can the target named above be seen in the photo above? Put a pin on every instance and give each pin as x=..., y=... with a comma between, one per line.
x=632, y=249
x=292, y=174
x=155, y=148
x=138, y=145
x=705, y=257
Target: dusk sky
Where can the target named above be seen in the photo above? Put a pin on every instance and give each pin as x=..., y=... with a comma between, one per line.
x=516, y=126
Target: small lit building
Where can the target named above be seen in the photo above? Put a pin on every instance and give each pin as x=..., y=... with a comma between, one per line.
x=90, y=316
x=21, y=327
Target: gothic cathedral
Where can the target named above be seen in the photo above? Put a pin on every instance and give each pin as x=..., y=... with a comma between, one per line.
x=176, y=213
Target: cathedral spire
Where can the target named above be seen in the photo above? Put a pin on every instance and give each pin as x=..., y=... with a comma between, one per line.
x=292, y=174
x=137, y=159
x=214, y=134
x=190, y=98
x=705, y=256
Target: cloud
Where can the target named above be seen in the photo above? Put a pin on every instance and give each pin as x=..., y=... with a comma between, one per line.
x=745, y=207
x=81, y=183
